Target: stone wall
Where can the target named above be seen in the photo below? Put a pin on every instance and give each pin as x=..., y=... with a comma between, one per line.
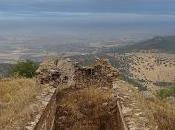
x=46, y=121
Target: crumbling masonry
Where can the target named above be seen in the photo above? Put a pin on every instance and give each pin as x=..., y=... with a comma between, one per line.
x=84, y=98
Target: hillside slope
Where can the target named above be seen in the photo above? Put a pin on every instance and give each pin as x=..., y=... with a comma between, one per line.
x=165, y=44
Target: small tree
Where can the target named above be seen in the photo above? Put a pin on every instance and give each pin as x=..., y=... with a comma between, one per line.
x=25, y=68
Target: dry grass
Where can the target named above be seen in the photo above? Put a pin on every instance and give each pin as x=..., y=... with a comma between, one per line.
x=147, y=67
x=15, y=95
x=94, y=95
x=84, y=108
x=160, y=113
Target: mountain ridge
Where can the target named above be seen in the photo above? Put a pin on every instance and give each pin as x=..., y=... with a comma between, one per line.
x=160, y=43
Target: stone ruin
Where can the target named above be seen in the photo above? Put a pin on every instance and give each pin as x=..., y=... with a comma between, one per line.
x=84, y=97
x=64, y=72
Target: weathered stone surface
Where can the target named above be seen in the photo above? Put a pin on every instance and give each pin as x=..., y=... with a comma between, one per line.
x=59, y=72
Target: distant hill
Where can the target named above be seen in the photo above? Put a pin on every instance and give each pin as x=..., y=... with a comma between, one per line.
x=162, y=44
x=165, y=44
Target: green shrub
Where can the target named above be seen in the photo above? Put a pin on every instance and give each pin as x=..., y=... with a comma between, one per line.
x=167, y=92
x=25, y=69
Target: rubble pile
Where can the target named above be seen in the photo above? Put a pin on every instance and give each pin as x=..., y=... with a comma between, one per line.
x=56, y=72
x=100, y=74
x=59, y=72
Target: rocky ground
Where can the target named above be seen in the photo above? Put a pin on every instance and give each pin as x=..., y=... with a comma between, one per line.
x=134, y=115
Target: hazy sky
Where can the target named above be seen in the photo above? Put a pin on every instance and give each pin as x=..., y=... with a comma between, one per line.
x=91, y=18
x=122, y=6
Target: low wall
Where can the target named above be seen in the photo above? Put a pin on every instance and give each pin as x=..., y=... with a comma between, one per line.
x=46, y=121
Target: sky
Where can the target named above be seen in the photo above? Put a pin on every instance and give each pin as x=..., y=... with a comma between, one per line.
x=88, y=14
x=120, y=16
x=93, y=6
